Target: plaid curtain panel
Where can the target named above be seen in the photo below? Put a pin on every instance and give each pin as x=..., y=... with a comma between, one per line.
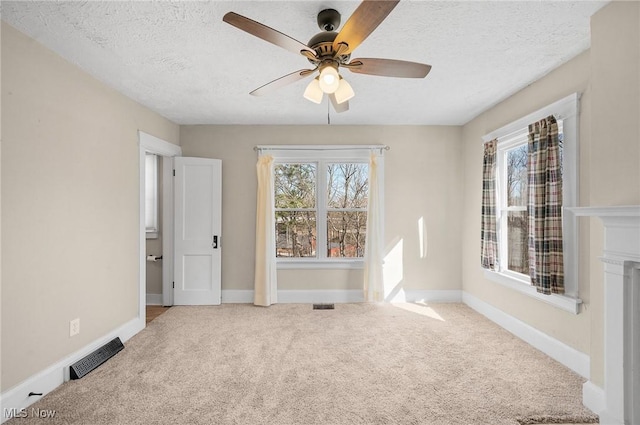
x=544, y=207
x=488, y=234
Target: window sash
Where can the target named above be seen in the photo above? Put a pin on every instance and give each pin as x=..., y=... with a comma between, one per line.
x=151, y=193
x=505, y=145
x=322, y=209
x=362, y=209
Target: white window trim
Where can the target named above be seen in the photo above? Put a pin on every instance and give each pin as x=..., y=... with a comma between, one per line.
x=151, y=169
x=324, y=154
x=566, y=109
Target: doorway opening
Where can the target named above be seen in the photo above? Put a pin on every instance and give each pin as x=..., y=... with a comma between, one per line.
x=167, y=151
x=153, y=225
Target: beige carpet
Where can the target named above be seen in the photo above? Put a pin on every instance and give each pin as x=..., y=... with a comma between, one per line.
x=289, y=364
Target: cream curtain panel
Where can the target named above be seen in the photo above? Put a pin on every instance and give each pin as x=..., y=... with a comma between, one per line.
x=266, y=284
x=373, y=255
x=545, y=207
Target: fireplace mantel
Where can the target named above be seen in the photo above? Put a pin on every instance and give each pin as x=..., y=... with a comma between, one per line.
x=621, y=258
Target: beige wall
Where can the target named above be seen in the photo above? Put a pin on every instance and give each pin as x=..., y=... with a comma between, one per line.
x=70, y=206
x=422, y=179
x=614, y=151
x=615, y=83
x=154, y=269
x=571, y=329
x=608, y=76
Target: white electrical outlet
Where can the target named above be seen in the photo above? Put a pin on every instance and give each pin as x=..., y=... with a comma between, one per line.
x=74, y=327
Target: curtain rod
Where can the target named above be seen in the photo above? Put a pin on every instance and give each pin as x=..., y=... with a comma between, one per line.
x=318, y=148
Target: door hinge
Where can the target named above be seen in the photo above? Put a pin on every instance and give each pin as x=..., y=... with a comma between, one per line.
x=174, y=173
x=174, y=285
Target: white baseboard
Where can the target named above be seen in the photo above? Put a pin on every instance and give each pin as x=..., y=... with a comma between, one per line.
x=238, y=296
x=570, y=357
x=593, y=397
x=154, y=299
x=320, y=296
x=606, y=418
x=45, y=381
x=421, y=295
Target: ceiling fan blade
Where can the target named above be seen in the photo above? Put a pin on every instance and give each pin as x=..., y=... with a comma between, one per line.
x=266, y=33
x=339, y=107
x=281, y=82
x=362, y=22
x=389, y=68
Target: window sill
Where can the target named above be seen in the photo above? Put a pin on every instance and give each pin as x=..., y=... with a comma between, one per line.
x=319, y=264
x=563, y=302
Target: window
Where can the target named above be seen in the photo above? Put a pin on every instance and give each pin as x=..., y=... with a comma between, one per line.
x=512, y=194
x=331, y=203
x=512, y=265
x=347, y=197
x=151, y=195
x=320, y=202
x=296, y=212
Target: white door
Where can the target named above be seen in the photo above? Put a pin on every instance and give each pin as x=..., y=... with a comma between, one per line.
x=198, y=189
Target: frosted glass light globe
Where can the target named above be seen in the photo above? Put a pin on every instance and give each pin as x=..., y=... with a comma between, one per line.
x=329, y=79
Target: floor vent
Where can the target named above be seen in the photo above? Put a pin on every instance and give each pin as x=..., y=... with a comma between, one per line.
x=95, y=359
x=323, y=306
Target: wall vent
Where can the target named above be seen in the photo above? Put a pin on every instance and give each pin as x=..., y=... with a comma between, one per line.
x=323, y=306
x=95, y=359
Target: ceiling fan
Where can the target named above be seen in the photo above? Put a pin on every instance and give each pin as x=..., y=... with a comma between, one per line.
x=328, y=51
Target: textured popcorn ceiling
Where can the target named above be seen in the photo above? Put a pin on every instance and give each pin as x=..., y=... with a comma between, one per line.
x=179, y=59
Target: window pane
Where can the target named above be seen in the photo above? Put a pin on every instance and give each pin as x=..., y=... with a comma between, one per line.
x=295, y=185
x=518, y=255
x=347, y=185
x=561, y=147
x=295, y=234
x=151, y=192
x=517, y=187
x=346, y=232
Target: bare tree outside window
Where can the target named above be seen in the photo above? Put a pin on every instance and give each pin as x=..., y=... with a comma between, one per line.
x=517, y=191
x=344, y=207
x=295, y=205
x=517, y=217
x=347, y=197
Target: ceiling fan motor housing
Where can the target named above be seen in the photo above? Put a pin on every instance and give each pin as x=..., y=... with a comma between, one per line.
x=329, y=19
x=322, y=44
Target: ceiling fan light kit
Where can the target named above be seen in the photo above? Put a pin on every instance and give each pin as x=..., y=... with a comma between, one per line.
x=329, y=79
x=313, y=92
x=344, y=91
x=329, y=50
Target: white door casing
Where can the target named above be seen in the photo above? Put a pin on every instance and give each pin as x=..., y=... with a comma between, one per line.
x=198, y=213
x=152, y=144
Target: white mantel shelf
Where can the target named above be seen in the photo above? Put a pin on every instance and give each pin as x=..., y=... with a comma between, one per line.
x=621, y=258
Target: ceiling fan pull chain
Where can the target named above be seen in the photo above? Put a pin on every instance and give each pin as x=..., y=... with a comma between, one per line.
x=328, y=112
